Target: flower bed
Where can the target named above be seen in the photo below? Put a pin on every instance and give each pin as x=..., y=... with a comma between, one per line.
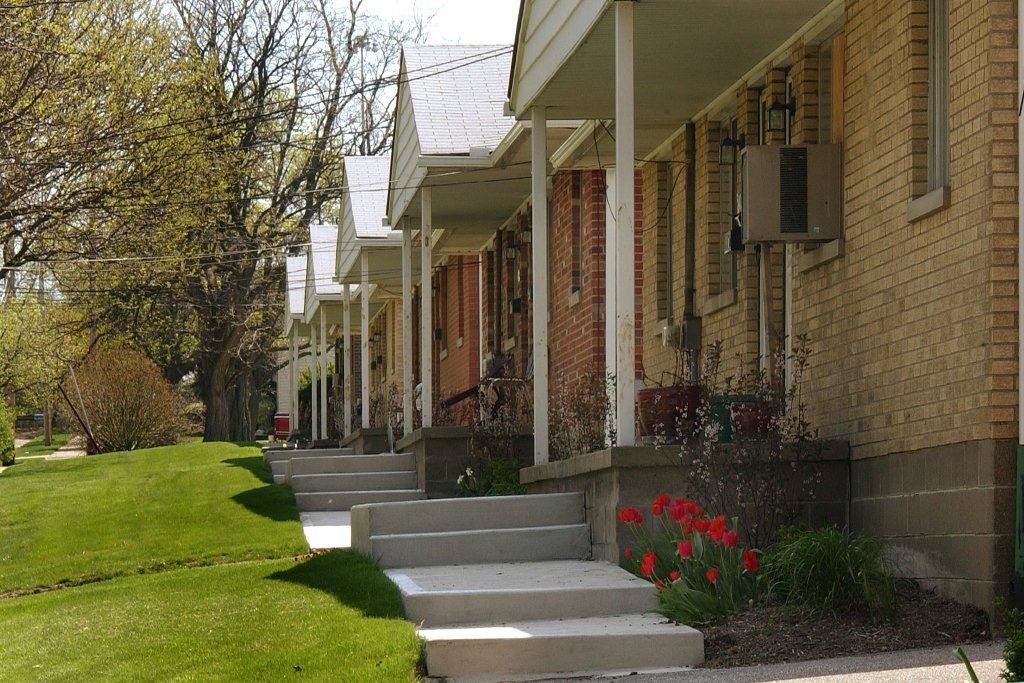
x=820, y=592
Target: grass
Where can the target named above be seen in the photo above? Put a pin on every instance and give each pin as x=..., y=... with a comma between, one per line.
x=84, y=519
x=37, y=447
x=187, y=558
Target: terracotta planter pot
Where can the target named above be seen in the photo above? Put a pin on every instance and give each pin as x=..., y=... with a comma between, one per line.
x=668, y=411
x=751, y=418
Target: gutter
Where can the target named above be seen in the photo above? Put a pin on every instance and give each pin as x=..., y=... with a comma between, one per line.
x=1018, y=559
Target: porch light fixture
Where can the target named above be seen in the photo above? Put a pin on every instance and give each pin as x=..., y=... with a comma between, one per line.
x=729, y=149
x=375, y=337
x=510, y=253
x=778, y=115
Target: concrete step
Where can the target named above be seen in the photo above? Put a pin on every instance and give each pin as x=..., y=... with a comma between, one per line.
x=340, y=464
x=279, y=468
x=480, y=546
x=344, y=500
x=622, y=643
x=461, y=514
x=290, y=453
x=352, y=481
x=495, y=593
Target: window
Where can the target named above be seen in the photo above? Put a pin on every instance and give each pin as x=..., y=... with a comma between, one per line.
x=442, y=297
x=663, y=224
x=462, y=298
x=831, y=77
x=576, y=233
x=730, y=201
x=938, y=94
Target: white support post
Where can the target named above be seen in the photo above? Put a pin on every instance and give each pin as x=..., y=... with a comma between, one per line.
x=293, y=382
x=625, y=239
x=324, y=411
x=364, y=337
x=346, y=324
x=610, y=319
x=314, y=395
x=539, y=186
x=426, y=310
x=407, y=350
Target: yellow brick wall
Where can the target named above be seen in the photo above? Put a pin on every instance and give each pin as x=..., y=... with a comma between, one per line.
x=914, y=327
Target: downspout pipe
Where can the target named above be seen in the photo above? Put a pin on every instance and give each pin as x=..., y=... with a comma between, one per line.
x=693, y=340
x=1018, y=559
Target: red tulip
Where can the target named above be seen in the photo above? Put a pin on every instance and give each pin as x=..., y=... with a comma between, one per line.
x=685, y=549
x=751, y=562
x=730, y=539
x=647, y=565
x=628, y=553
x=674, y=575
x=711, y=575
x=631, y=516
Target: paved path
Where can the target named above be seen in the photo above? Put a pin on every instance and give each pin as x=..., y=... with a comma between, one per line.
x=935, y=665
x=327, y=529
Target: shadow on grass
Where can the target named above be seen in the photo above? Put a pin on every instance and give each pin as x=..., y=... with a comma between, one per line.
x=350, y=578
x=255, y=464
x=272, y=501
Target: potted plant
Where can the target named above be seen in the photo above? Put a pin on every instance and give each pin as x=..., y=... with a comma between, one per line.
x=668, y=411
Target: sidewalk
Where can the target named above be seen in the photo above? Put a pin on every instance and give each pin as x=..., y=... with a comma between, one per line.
x=931, y=665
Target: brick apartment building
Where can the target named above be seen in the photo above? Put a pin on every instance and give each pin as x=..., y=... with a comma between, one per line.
x=913, y=313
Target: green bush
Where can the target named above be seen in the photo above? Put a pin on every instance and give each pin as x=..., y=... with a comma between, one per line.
x=493, y=478
x=6, y=435
x=1013, y=649
x=828, y=569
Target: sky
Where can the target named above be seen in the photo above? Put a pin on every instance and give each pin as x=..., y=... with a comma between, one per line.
x=469, y=22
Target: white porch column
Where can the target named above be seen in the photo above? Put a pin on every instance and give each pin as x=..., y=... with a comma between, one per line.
x=325, y=413
x=625, y=211
x=293, y=381
x=314, y=395
x=364, y=337
x=407, y=350
x=346, y=378
x=539, y=192
x=610, y=319
x=426, y=310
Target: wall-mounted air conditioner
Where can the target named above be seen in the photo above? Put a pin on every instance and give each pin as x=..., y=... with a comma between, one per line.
x=792, y=193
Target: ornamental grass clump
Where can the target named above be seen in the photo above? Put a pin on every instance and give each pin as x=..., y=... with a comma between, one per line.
x=829, y=569
x=695, y=561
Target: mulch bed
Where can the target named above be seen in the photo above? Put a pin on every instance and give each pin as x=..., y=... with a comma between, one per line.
x=772, y=634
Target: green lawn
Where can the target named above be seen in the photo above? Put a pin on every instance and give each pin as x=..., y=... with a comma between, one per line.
x=36, y=446
x=189, y=554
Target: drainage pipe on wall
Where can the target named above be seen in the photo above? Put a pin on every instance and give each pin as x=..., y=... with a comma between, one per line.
x=1018, y=573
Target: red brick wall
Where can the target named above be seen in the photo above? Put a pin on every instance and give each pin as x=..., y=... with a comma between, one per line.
x=460, y=368
x=577, y=326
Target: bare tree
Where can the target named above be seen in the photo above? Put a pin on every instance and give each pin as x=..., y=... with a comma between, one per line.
x=289, y=87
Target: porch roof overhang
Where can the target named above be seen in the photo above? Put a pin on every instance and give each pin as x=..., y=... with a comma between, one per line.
x=384, y=258
x=472, y=197
x=687, y=53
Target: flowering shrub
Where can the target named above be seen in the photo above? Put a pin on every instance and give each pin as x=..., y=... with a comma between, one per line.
x=750, y=436
x=695, y=561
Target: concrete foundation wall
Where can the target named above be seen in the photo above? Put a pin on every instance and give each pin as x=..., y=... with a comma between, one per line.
x=444, y=453
x=367, y=441
x=615, y=478
x=948, y=512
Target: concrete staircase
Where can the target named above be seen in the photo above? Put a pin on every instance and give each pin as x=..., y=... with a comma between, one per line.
x=335, y=479
x=504, y=587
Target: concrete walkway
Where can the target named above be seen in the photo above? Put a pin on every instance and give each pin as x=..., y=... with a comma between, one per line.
x=934, y=665
x=325, y=530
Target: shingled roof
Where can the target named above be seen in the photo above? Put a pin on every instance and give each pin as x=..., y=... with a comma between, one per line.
x=366, y=180
x=323, y=245
x=296, y=284
x=458, y=95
